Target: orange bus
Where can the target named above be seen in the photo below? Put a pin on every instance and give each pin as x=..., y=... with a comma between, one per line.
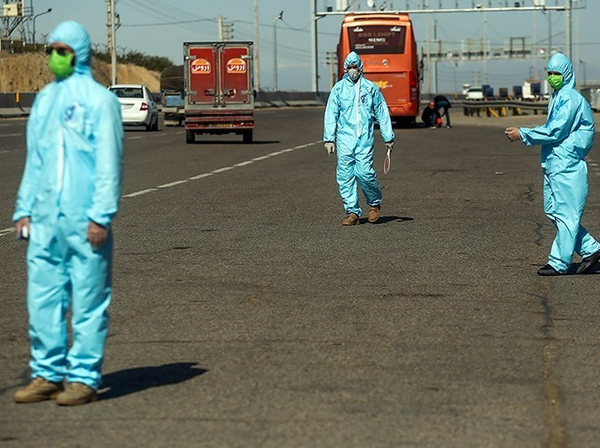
x=386, y=44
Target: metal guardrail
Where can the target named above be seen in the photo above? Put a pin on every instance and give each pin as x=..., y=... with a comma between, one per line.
x=19, y=104
x=501, y=108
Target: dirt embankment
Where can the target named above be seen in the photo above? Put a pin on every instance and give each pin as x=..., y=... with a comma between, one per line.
x=29, y=72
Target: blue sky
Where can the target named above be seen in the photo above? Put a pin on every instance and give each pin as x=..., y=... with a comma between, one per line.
x=159, y=27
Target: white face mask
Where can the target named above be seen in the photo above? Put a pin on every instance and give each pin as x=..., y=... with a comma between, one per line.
x=354, y=74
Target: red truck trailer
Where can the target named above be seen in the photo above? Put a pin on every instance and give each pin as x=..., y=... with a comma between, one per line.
x=219, y=89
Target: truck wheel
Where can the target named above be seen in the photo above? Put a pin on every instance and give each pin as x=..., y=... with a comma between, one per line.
x=247, y=136
x=190, y=137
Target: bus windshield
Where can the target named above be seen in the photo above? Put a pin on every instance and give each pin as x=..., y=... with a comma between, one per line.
x=377, y=39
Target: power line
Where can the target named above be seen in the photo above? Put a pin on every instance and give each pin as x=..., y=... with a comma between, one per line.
x=133, y=25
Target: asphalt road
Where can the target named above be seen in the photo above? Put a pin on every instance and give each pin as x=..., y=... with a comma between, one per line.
x=245, y=315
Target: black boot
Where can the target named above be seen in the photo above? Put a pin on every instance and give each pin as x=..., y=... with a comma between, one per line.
x=549, y=270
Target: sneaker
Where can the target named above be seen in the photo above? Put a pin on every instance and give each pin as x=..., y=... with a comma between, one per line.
x=76, y=394
x=374, y=213
x=549, y=270
x=351, y=220
x=38, y=390
x=588, y=263
x=449, y=127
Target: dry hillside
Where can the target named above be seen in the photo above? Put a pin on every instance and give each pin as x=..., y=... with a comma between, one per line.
x=29, y=72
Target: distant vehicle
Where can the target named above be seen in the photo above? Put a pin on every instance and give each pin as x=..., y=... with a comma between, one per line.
x=531, y=90
x=474, y=93
x=137, y=105
x=172, y=95
x=219, y=89
x=388, y=50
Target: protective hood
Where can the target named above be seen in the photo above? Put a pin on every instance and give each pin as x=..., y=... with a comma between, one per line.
x=563, y=65
x=75, y=36
x=353, y=59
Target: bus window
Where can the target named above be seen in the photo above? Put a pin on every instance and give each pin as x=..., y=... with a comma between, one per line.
x=377, y=39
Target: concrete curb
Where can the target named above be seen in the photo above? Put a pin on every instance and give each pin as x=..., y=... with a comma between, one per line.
x=14, y=112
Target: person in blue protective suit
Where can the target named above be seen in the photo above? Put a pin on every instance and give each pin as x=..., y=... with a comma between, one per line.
x=67, y=200
x=349, y=128
x=566, y=139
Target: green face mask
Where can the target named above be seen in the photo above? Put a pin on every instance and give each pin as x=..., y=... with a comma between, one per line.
x=61, y=66
x=556, y=81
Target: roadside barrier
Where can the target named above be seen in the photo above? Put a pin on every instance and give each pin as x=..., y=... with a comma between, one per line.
x=501, y=108
x=19, y=103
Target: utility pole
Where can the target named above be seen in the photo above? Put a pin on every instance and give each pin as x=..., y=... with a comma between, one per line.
x=428, y=56
x=314, y=46
x=435, y=63
x=569, y=28
x=275, y=77
x=220, y=27
x=256, y=63
x=112, y=39
x=332, y=62
x=226, y=32
x=549, y=34
x=485, y=44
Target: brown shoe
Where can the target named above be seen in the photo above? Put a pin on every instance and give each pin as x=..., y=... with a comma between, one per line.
x=76, y=394
x=374, y=213
x=351, y=220
x=38, y=390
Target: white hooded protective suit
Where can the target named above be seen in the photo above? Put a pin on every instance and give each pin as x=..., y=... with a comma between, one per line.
x=72, y=176
x=566, y=139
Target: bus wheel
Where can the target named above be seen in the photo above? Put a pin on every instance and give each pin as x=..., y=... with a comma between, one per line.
x=190, y=137
x=247, y=136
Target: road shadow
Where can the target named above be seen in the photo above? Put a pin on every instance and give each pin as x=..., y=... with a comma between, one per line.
x=234, y=142
x=574, y=266
x=130, y=381
x=387, y=219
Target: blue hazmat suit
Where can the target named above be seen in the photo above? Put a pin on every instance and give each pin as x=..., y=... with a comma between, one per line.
x=349, y=124
x=566, y=139
x=72, y=176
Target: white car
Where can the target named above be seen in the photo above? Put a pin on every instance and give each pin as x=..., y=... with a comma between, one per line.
x=137, y=105
x=475, y=93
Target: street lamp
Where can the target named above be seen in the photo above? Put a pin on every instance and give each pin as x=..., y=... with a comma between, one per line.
x=278, y=17
x=35, y=17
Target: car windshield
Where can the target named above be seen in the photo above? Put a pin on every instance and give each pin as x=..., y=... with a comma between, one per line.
x=128, y=92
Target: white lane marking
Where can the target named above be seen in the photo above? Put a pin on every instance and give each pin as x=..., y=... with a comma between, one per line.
x=7, y=231
x=257, y=159
x=220, y=170
x=135, y=138
x=199, y=176
x=139, y=193
x=6, y=151
x=10, y=135
x=172, y=184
